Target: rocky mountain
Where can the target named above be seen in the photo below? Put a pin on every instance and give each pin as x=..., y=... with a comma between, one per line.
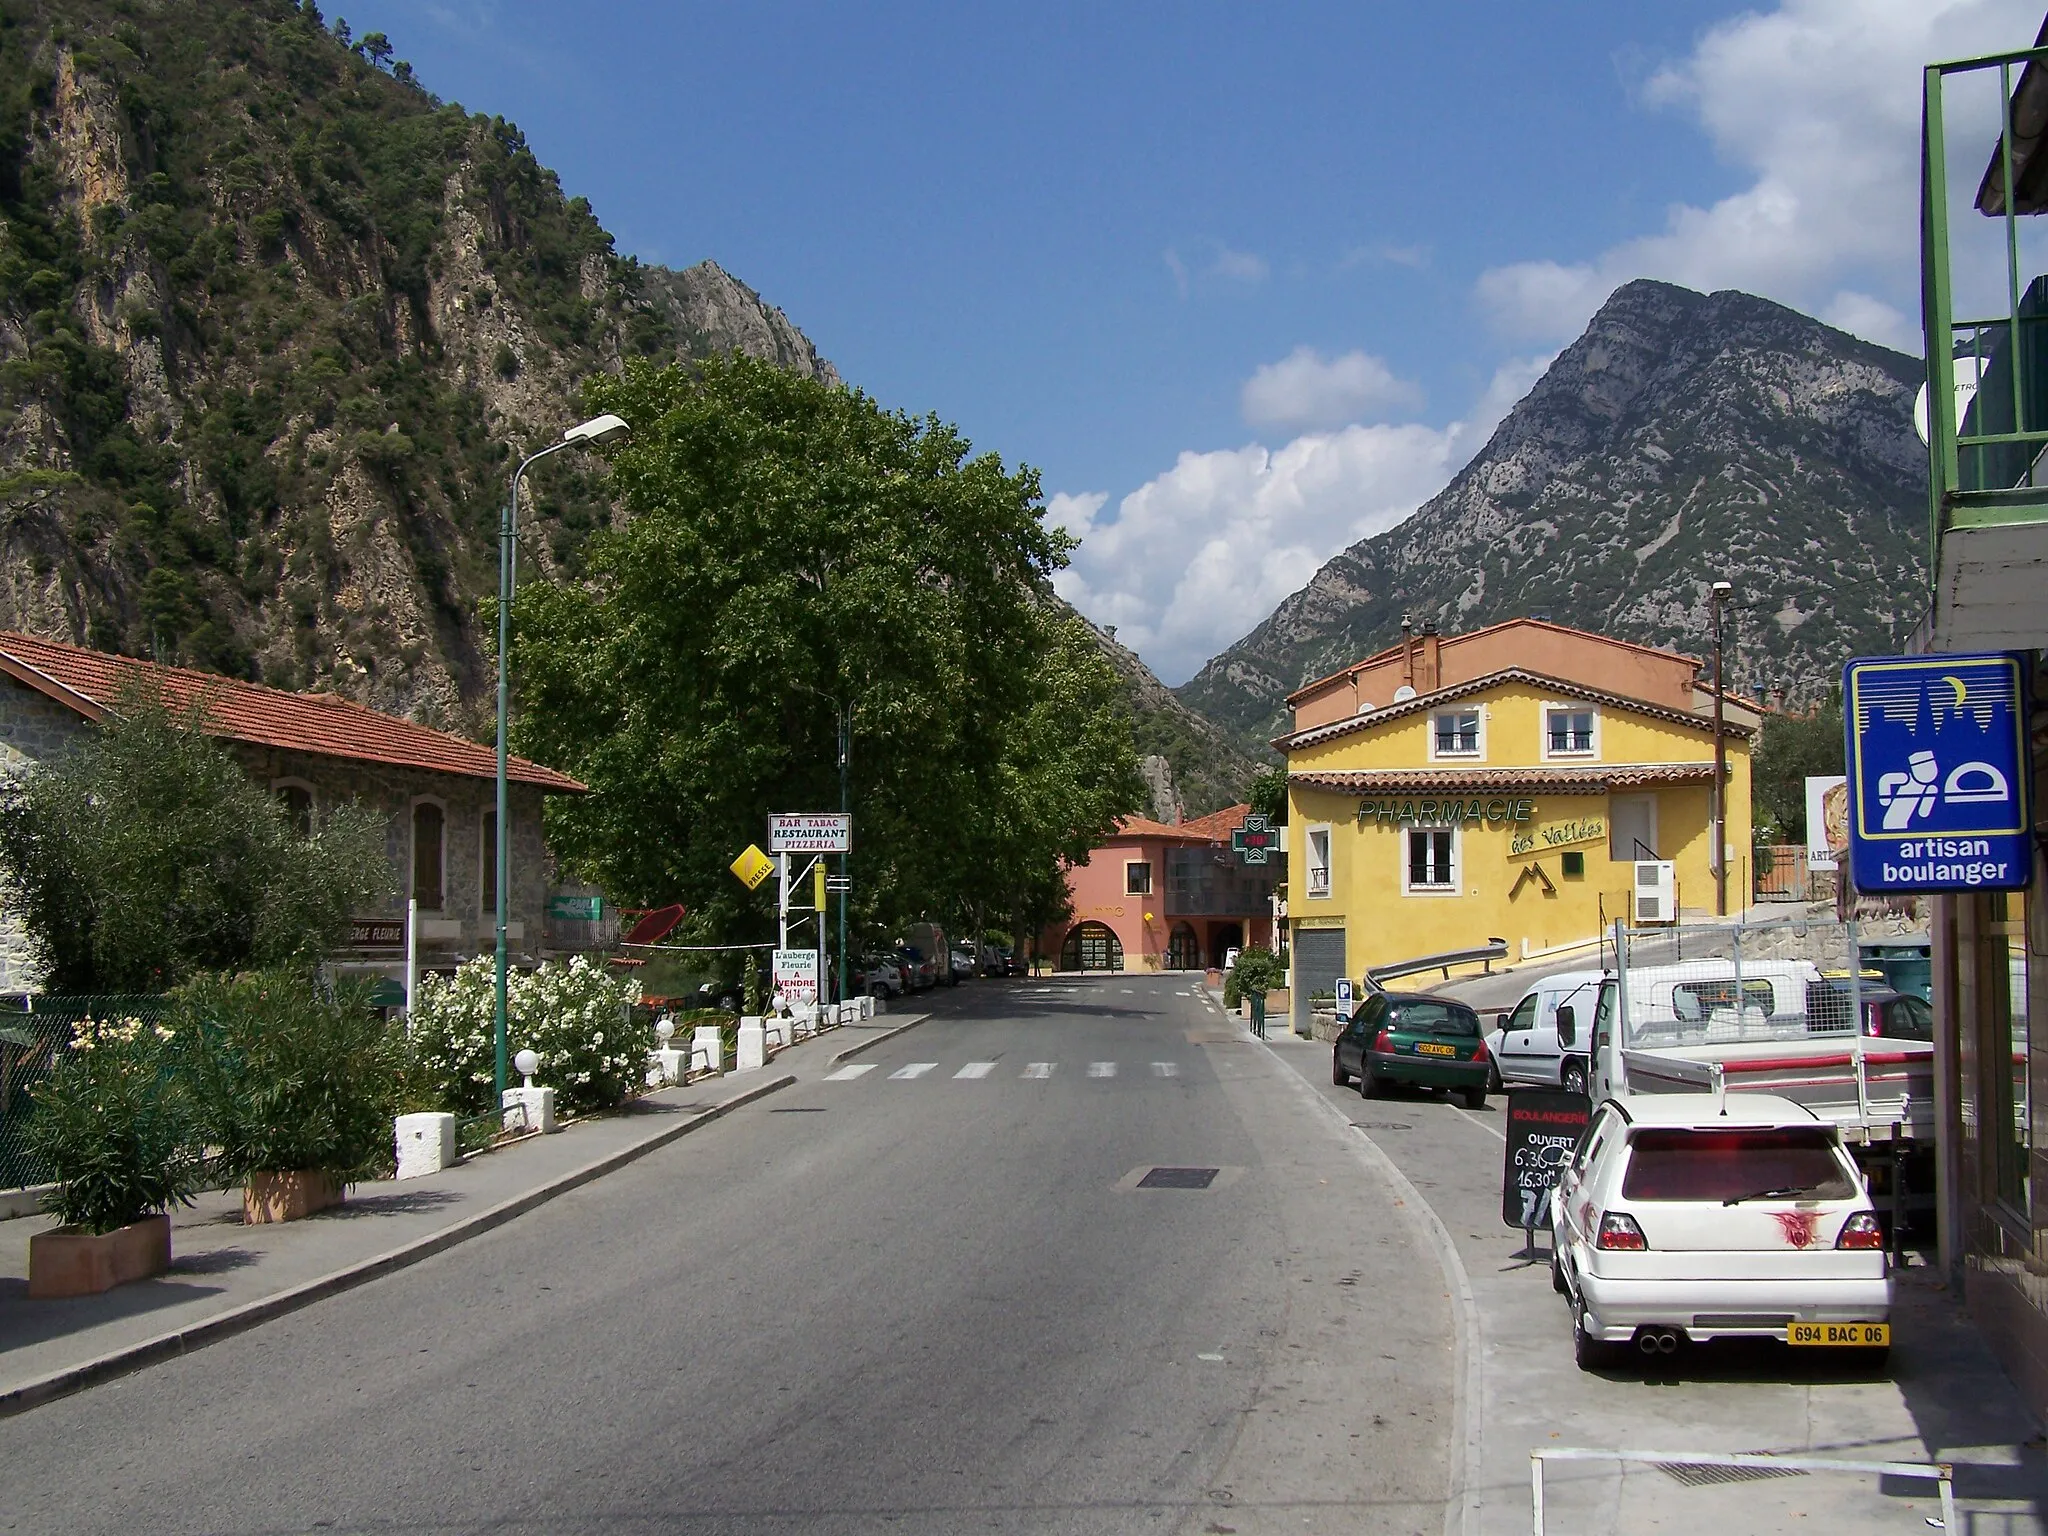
x=1191, y=765
x=274, y=324
x=1684, y=438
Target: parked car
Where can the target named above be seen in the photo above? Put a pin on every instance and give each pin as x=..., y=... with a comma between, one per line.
x=919, y=972
x=930, y=942
x=1546, y=1039
x=963, y=962
x=1702, y=1216
x=1887, y=1014
x=993, y=961
x=878, y=976
x=1413, y=1038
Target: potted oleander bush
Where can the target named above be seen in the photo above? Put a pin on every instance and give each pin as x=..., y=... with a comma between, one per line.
x=294, y=1086
x=1257, y=972
x=114, y=1121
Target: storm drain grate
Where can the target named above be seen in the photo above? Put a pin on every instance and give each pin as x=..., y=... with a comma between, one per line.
x=1381, y=1125
x=1178, y=1178
x=1694, y=1476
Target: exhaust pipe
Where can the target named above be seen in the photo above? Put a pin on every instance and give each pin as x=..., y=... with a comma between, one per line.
x=1657, y=1341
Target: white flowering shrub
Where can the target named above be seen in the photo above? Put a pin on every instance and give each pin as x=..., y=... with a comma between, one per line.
x=575, y=1017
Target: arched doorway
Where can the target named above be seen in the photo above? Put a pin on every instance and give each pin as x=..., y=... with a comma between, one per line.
x=1183, y=949
x=1092, y=947
x=1223, y=938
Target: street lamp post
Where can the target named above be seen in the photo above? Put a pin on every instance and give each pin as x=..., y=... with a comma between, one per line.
x=1720, y=592
x=597, y=430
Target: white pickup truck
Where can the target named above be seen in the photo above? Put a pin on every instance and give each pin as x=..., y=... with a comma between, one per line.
x=1775, y=1027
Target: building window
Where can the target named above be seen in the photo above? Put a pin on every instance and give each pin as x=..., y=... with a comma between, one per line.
x=1432, y=859
x=428, y=848
x=1455, y=733
x=489, y=883
x=1318, y=862
x=1137, y=878
x=297, y=802
x=1570, y=731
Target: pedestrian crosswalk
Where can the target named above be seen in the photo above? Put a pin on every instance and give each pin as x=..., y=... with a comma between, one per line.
x=1038, y=1071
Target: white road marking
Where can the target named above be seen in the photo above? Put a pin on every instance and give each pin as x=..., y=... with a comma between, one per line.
x=915, y=1069
x=1039, y=1069
x=848, y=1073
x=1127, y=991
x=976, y=1069
x=1102, y=1069
x=1208, y=1357
x=1166, y=1069
x=1492, y=1131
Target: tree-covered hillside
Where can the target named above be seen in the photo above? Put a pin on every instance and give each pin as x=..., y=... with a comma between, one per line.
x=273, y=321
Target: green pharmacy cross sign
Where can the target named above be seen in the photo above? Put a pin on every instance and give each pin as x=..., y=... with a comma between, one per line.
x=1255, y=841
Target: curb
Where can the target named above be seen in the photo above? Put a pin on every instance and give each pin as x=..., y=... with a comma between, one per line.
x=134, y=1357
x=882, y=1039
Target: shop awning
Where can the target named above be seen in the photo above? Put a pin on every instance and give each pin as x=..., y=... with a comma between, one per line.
x=1507, y=781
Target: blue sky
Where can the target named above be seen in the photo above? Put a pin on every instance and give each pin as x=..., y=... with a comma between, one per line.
x=1244, y=283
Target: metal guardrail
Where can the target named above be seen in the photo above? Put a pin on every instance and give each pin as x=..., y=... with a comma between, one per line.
x=1941, y=1473
x=1490, y=951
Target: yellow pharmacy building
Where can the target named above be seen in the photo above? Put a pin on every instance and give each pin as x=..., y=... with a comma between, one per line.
x=1524, y=782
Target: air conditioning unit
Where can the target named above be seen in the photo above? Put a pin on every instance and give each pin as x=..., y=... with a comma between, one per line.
x=1656, y=892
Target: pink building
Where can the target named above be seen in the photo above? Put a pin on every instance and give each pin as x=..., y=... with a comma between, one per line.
x=1161, y=898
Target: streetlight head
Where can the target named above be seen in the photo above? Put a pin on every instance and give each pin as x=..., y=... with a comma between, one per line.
x=1724, y=588
x=598, y=430
x=526, y=1063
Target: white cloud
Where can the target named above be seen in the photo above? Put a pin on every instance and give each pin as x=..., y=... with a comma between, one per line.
x=1179, y=269
x=1872, y=318
x=1818, y=103
x=1306, y=390
x=1240, y=266
x=1197, y=556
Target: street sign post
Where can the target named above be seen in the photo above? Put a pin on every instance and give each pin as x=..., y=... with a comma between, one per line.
x=1255, y=841
x=1344, y=999
x=810, y=834
x=1938, y=772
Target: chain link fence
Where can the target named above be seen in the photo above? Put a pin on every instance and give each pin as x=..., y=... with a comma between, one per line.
x=34, y=1029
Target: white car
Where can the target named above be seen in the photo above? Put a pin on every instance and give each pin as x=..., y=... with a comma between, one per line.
x=1699, y=1216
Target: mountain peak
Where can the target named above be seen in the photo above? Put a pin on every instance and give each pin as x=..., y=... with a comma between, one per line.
x=1683, y=438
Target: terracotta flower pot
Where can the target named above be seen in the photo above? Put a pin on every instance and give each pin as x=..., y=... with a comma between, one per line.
x=288, y=1196
x=70, y=1262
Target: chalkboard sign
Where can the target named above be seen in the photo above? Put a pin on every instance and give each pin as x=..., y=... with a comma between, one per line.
x=1543, y=1127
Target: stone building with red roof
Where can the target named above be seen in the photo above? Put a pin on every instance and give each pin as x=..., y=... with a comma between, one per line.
x=315, y=750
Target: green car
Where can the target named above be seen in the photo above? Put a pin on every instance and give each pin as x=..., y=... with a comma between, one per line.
x=1429, y=1042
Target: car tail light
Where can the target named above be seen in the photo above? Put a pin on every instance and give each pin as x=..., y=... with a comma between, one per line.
x=1480, y=1054
x=1619, y=1233
x=1383, y=1042
x=1861, y=1231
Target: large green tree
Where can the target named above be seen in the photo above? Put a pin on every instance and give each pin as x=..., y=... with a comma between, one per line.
x=1790, y=749
x=792, y=555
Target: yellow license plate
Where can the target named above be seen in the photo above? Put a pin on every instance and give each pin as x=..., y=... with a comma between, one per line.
x=1853, y=1335
x=1428, y=1049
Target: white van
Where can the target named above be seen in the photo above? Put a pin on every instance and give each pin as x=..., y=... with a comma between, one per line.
x=1547, y=1040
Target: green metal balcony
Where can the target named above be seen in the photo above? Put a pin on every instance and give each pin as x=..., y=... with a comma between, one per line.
x=1987, y=396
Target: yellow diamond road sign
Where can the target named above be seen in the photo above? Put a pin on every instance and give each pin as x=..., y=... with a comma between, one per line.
x=752, y=866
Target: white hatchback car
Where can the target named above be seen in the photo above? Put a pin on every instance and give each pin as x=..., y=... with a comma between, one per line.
x=1691, y=1216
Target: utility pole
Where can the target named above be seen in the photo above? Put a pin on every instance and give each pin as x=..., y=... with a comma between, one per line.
x=1720, y=593
x=845, y=888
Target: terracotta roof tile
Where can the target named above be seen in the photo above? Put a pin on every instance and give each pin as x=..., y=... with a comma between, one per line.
x=1144, y=826
x=1505, y=781
x=319, y=723
x=1218, y=824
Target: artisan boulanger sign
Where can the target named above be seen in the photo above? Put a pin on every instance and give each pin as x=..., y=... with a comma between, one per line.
x=1559, y=834
x=1443, y=813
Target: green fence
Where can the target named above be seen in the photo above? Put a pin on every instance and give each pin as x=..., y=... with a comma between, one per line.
x=32, y=1031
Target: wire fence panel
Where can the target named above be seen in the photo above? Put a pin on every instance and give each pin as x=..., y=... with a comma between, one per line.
x=34, y=1030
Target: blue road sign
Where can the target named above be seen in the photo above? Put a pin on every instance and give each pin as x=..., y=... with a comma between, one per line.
x=1938, y=782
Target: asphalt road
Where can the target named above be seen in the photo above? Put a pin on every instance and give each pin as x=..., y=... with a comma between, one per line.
x=921, y=1298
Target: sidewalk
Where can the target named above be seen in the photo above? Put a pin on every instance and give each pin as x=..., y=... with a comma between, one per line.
x=1942, y=1398
x=225, y=1276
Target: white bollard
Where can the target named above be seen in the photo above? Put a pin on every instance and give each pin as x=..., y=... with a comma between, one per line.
x=426, y=1144
x=667, y=1065
x=530, y=1109
x=707, y=1048
x=753, y=1053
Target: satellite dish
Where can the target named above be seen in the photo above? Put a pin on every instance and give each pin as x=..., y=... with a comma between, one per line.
x=1969, y=370
x=1403, y=694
